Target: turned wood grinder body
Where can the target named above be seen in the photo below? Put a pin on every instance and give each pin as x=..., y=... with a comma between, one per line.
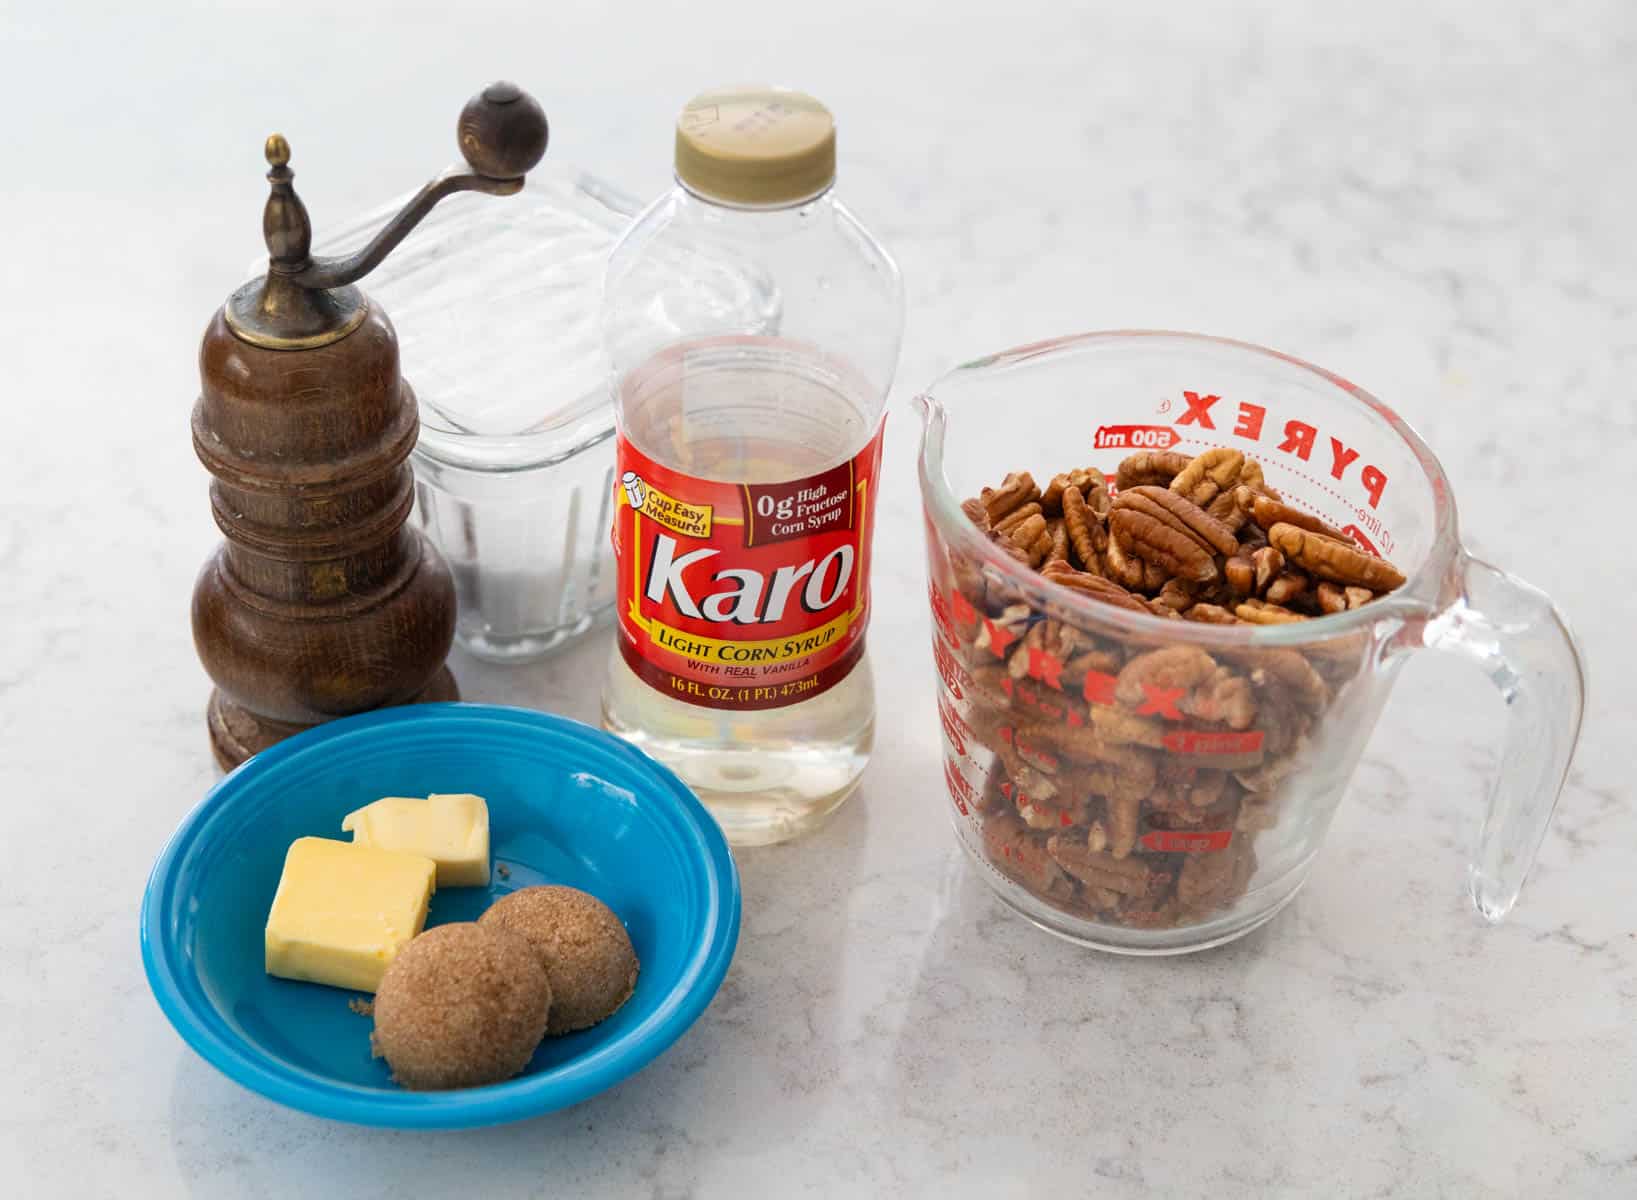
x=322, y=602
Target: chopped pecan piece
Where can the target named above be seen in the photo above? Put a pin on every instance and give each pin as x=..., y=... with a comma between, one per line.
x=1286, y=588
x=1269, y=565
x=1012, y=623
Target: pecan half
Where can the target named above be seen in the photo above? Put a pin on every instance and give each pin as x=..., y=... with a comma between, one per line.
x=1181, y=514
x=1291, y=673
x=1117, y=725
x=1338, y=561
x=1210, y=614
x=1171, y=667
x=1127, y=876
x=1016, y=489
x=1267, y=513
x=1209, y=474
x=1152, y=540
x=1260, y=612
x=1149, y=466
x=1225, y=698
x=1123, y=814
x=1017, y=517
x=1126, y=570
x=1086, y=532
x=1059, y=532
x=1085, y=480
x=1023, y=855
x=1093, y=585
x=1213, y=878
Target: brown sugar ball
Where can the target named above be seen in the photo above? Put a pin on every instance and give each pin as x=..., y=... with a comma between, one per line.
x=587, y=953
x=459, y=1007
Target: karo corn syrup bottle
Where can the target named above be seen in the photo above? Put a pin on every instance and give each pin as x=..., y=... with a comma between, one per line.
x=749, y=448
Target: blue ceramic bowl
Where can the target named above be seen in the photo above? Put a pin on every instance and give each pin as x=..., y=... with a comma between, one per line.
x=567, y=804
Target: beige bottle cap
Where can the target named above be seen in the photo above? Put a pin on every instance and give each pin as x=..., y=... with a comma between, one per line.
x=755, y=145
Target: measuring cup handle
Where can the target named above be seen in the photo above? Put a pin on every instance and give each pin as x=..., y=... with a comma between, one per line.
x=1523, y=643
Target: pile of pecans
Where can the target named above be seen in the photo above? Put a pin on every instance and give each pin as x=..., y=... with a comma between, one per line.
x=1126, y=775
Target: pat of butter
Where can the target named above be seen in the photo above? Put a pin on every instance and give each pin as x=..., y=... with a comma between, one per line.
x=342, y=911
x=451, y=830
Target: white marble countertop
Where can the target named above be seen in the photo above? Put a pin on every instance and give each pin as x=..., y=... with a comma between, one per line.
x=1431, y=198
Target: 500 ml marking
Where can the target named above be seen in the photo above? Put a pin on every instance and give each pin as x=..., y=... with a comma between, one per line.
x=1135, y=437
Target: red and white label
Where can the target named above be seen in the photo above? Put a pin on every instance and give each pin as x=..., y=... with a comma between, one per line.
x=743, y=595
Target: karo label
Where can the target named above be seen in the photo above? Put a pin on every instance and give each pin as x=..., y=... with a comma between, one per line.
x=743, y=595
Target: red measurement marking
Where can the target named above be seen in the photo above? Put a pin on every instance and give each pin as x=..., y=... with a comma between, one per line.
x=1136, y=437
x=1194, y=741
x=1046, y=667
x=949, y=669
x=1099, y=688
x=960, y=791
x=955, y=729
x=1172, y=841
x=999, y=638
x=940, y=610
x=1162, y=701
x=1199, y=410
x=1357, y=534
x=962, y=608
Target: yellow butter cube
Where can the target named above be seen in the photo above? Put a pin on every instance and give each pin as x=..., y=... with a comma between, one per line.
x=452, y=830
x=342, y=911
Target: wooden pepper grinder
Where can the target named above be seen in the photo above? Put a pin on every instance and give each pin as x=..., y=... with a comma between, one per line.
x=322, y=602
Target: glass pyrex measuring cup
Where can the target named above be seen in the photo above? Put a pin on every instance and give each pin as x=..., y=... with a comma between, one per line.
x=1159, y=803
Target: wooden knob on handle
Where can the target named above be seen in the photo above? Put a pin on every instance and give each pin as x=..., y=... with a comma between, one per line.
x=502, y=132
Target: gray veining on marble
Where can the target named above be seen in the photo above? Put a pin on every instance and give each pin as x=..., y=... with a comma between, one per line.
x=1431, y=198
